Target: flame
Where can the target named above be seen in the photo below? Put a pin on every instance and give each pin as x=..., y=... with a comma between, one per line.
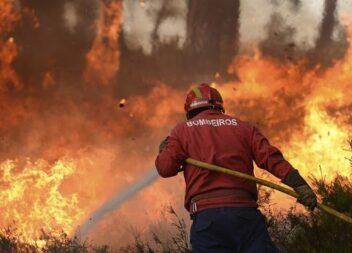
x=324, y=137
x=319, y=149
x=31, y=198
x=48, y=80
x=103, y=57
x=8, y=52
x=9, y=16
x=316, y=140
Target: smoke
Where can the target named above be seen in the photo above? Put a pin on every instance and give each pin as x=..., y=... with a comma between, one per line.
x=212, y=36
x=148, y=44
x=290, y=29
x=299, y=30
x=117, y=200
x=208, y=48
x=148, y=23
x=327, y=25
x=333, y=48
x=70, y=16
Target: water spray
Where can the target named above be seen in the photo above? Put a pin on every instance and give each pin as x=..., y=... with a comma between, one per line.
x=115, y=202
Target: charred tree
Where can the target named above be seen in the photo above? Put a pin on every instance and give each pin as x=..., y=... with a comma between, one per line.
x=328, y=24
x=49, y=45
x=328, y=49
x=212, y=42
x=212, y=35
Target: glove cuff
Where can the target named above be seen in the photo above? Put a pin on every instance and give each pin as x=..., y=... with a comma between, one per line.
x=294, y=179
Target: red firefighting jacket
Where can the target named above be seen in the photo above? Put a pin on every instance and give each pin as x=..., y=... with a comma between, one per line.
x=217, y=138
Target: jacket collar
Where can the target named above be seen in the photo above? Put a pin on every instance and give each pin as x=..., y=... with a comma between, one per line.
x=208, y=112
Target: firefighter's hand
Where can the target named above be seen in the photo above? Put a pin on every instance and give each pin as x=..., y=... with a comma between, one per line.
x=163, y=144
x=306, y=196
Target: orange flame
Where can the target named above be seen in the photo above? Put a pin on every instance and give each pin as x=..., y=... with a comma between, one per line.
x=31, y=198
x=103, y=58
x=321, y=138
x=8, y=53
x=8, y=15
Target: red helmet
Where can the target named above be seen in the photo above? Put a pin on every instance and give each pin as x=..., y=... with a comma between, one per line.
x=203, y=96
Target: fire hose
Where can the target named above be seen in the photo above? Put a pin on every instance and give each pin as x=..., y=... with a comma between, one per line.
x=280, y=188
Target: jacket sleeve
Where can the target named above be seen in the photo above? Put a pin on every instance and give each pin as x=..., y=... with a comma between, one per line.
x=170, y=161
x=268, y=157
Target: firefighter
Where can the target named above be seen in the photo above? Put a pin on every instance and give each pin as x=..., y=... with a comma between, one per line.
x=224, y=209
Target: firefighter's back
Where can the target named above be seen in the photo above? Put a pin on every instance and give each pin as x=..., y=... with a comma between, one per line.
x=217, y=138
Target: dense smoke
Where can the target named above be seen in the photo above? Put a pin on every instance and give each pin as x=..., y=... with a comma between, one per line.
x=301, y=39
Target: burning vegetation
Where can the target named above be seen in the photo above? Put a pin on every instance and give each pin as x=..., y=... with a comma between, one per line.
x=86, y=96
